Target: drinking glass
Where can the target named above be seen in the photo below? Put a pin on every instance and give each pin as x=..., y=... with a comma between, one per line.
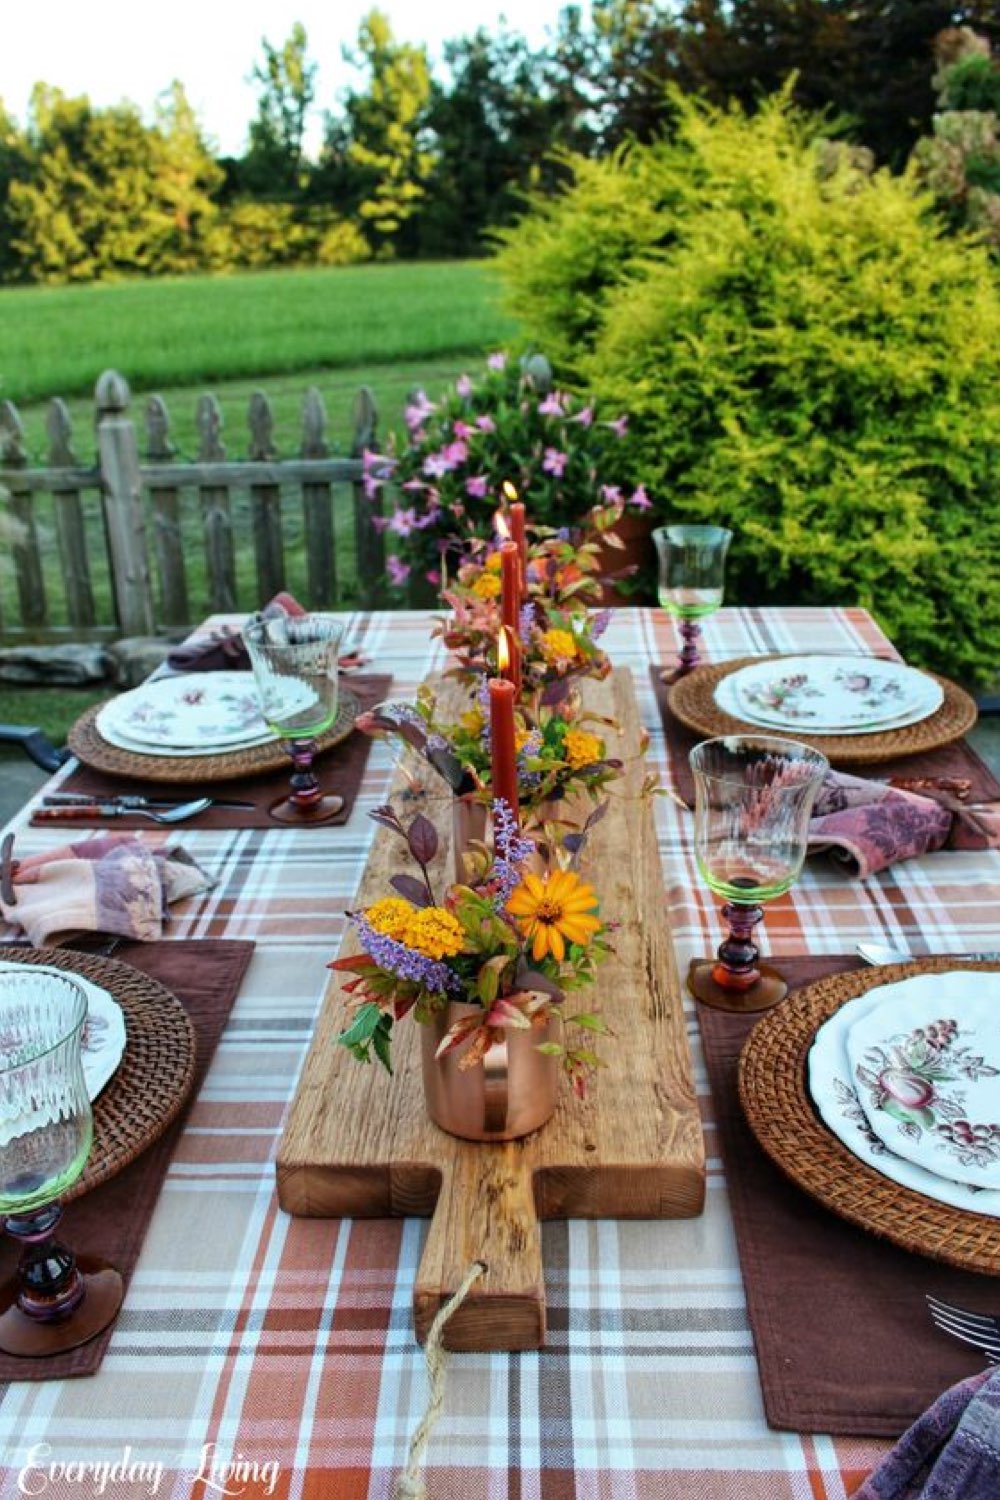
x=294, y=661
x=46, y=1128
x=692, y=564
x=754, y=795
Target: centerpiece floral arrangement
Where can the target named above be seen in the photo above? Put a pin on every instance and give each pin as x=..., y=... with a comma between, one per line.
x=556, y=756
x=512, y=943
x=446, y=481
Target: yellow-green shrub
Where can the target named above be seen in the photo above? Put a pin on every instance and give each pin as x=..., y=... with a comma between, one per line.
x=808, y=358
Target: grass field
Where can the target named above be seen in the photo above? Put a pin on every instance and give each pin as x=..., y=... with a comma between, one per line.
x=390, y=328
x=55, y=341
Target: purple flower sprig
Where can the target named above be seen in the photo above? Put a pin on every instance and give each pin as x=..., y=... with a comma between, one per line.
x=406, y=963
x=511, y=849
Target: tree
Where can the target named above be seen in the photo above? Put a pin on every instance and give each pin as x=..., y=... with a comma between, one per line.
x=377, y=157
x=275, y=166
x=102, y=194
x=494, y=124
x=869, y=61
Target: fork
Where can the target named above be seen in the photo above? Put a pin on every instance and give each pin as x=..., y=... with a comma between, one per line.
x=981, y=1330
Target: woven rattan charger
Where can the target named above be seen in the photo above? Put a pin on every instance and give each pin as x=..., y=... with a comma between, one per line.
x=775, y=1099
x=692, y=702
x=89, y=745
x=157, y=1068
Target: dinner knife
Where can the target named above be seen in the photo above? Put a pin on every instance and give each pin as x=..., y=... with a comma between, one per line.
x=881, y=953
x=130, y=800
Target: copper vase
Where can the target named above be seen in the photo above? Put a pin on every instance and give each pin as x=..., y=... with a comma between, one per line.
x=510, y=1094
x=469, y=821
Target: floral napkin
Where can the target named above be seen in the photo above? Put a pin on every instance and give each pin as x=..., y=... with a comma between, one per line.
x=116, y=884
x=952, y=1452
x=869, y=825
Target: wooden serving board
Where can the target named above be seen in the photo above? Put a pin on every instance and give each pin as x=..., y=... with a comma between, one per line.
x=358, y=1142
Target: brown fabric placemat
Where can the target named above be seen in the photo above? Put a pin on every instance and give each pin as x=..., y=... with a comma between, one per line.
x=205, y=974
x=340, y=770
x=958, y=760
x=844, y=1341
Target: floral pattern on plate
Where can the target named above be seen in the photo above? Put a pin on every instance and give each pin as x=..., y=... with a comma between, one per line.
x=103, y=1042
x=832, y=693
x=200, y=711
x=926, y=1067
x=832, y=1091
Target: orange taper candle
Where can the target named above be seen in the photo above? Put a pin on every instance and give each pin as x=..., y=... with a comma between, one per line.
x=510, y=607
x=503, y=748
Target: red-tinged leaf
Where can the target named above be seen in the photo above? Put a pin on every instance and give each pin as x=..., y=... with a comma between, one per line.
x=411, y=889
x=387, y=817
x=422, y=839
x=595, y=817
x=402, y=1007
x=457, y=1034
x=503, y=1013
x=356, y=963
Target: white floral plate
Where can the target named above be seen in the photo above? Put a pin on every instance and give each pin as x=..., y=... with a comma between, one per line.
x=726, y=699
x=114, y=736
x=832, y=694
x=103, y=1033
x=201, y=711
x=926, y=1068
x=832, y=1092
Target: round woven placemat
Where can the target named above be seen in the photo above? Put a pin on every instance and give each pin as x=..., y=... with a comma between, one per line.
x=156, y=1072
x=90, y=746
x=772, y=1085
x=692, y=701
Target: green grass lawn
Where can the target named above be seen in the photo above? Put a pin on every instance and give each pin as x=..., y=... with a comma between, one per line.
x=388, y=327
x=210, y=329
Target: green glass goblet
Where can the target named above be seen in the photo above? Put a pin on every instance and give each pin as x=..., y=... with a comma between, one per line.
x=46, y=1127
x=295, y=662
x=692, y=565
x=754, y=795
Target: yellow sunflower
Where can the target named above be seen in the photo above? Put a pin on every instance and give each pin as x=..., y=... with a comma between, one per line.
x=554, y=909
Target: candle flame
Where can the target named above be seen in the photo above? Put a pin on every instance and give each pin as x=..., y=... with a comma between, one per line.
x=508, y=491
x=503, y=651
x=500, y=526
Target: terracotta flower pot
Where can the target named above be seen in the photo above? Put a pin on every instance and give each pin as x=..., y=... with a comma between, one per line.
x=512, y=1092
x=470, y=823
x=635, y=530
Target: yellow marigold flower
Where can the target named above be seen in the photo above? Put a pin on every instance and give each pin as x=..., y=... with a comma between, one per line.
x=521, y=738
x=435, y=932
x=558, y=645
x=583, y=748
x=487, y=586
x=390, y=916
x=493, y=562
x=554, y=909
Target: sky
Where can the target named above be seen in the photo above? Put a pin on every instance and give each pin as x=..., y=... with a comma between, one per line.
x=121, y=49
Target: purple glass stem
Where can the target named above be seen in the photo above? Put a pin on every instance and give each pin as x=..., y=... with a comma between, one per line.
x=305, y=787
x=737, y=955
x=50, y=1287
x=690, y=631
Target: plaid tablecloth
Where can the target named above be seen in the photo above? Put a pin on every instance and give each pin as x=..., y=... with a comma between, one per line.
x=284, y=1347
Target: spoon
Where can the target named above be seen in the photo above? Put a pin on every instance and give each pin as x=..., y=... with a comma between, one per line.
x=113, y=810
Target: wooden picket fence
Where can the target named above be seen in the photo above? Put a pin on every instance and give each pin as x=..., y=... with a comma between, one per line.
x=109, y=549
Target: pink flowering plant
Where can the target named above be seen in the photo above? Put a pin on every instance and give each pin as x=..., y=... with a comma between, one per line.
x=444, y=482
x=512, y=943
